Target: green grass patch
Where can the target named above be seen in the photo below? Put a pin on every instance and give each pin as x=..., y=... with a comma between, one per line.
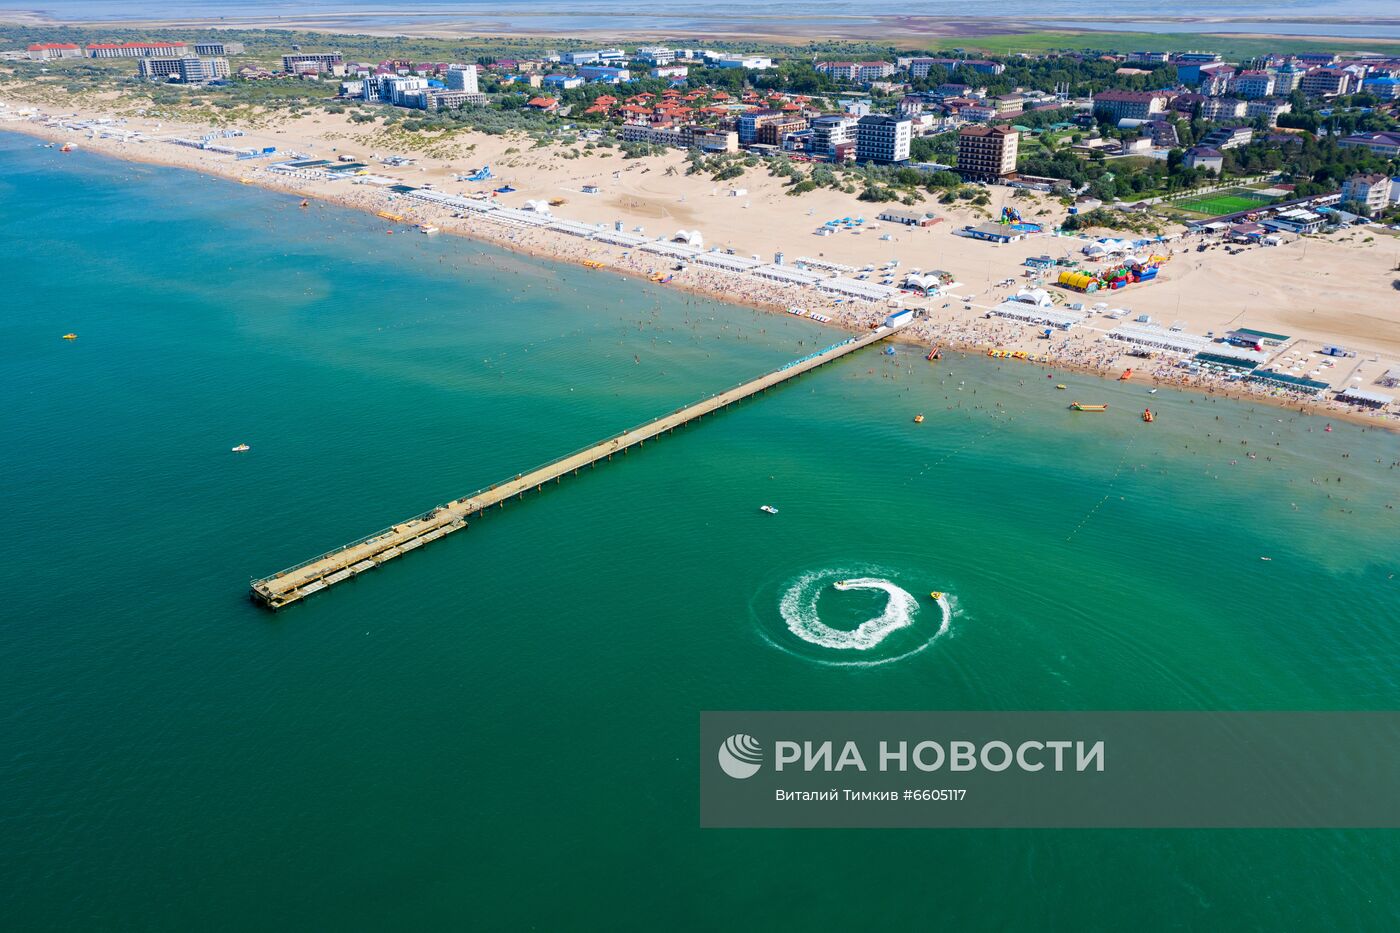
x=1231, y=46
x=1224, y=202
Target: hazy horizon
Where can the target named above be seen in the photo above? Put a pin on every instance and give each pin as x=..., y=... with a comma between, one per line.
x=1142, y=11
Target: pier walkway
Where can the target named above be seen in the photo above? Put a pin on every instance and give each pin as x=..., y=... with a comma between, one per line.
x=350, y=560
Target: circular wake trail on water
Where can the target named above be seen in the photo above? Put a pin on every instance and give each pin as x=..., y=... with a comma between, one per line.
x=799, y=610
x=894, y=633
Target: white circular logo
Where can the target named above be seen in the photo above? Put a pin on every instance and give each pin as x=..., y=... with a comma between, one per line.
x=741, y=756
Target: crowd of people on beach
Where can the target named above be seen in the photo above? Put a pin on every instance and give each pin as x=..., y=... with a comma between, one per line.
x=947, y=320
x=956, y=321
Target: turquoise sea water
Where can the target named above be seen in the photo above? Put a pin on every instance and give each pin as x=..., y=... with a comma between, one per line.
x=499, y=731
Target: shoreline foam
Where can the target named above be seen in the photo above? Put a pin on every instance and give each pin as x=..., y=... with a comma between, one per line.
x=709, y=284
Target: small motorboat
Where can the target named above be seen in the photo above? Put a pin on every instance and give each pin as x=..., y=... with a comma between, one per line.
x=1082, y=406
x=1062, y=386
x=769, y=509
x=936, y=595
x=241, y=448
x=70, y=336
x=1151, y=391
x=918, y=419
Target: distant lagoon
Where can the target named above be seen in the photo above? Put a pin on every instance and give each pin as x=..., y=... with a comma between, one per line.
x=665, y=16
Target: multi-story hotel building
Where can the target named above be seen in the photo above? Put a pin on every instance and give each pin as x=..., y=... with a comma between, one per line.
x=189, y=69
x=883, y=138
x=136, y=49
x=987, y=153
x=308, y=61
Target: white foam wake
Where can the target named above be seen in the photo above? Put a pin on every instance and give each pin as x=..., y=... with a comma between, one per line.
x=799, y=610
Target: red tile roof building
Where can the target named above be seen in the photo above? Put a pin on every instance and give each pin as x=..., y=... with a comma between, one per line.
x=43, y=51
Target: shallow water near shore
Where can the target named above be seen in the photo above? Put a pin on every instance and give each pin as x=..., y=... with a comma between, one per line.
x=517, y=706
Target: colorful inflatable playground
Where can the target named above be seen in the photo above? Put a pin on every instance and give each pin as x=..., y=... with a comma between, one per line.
x=1115, y=277
x=1012, y=218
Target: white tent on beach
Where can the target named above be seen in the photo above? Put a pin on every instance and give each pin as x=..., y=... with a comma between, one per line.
x=927, y=284
x=1038, y=297
x=1036, y=314
x=1108, y=246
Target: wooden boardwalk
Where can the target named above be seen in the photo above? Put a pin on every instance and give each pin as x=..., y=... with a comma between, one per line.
x=350, y=560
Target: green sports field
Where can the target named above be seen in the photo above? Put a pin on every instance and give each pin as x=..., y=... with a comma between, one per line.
x=1224, y=202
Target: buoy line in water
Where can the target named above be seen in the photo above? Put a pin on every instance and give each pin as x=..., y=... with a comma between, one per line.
x=903, y=627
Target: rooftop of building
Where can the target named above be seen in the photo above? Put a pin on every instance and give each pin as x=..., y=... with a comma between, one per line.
x=136, y=45
x=1130, y=96
x=1000, y=129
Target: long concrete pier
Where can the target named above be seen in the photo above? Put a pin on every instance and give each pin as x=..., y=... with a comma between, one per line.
x=348, y=561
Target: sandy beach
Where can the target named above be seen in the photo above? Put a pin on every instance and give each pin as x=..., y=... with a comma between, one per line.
x=1317, y=290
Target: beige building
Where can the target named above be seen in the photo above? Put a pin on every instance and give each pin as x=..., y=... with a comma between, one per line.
x=1370, y=190
x=987, y=153
x=682, y=137
x=1327, y=82
x=315, y=62
x=45, y=51
x=1131, y=105
x=188, y=69
x=1270, y=108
